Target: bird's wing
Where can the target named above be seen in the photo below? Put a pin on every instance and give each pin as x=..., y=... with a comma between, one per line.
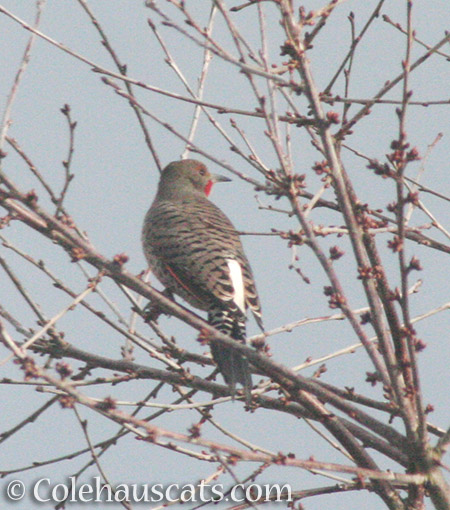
x=201, y=248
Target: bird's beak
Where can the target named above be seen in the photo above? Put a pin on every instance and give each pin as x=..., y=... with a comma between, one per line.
x=219, y=178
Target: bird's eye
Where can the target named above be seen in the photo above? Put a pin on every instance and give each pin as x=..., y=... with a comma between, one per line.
x=202, y=171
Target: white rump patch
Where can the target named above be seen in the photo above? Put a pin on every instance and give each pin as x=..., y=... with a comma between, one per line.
x=237, y=281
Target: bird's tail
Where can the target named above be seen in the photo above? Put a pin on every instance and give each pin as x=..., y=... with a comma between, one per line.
x=232, y=365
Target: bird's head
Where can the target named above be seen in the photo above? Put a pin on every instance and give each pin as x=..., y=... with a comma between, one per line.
x=187, y=176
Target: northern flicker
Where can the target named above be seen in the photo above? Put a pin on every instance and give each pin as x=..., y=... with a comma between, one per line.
x=196, y=253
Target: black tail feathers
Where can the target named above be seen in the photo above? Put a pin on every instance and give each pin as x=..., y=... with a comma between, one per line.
x=233, y=366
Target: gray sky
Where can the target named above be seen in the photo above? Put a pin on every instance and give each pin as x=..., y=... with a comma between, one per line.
x=115, y=180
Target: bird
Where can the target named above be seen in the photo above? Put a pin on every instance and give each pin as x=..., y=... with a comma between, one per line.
x=196, y=253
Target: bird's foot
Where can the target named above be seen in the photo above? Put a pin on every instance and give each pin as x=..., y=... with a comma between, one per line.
x=152, y=311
